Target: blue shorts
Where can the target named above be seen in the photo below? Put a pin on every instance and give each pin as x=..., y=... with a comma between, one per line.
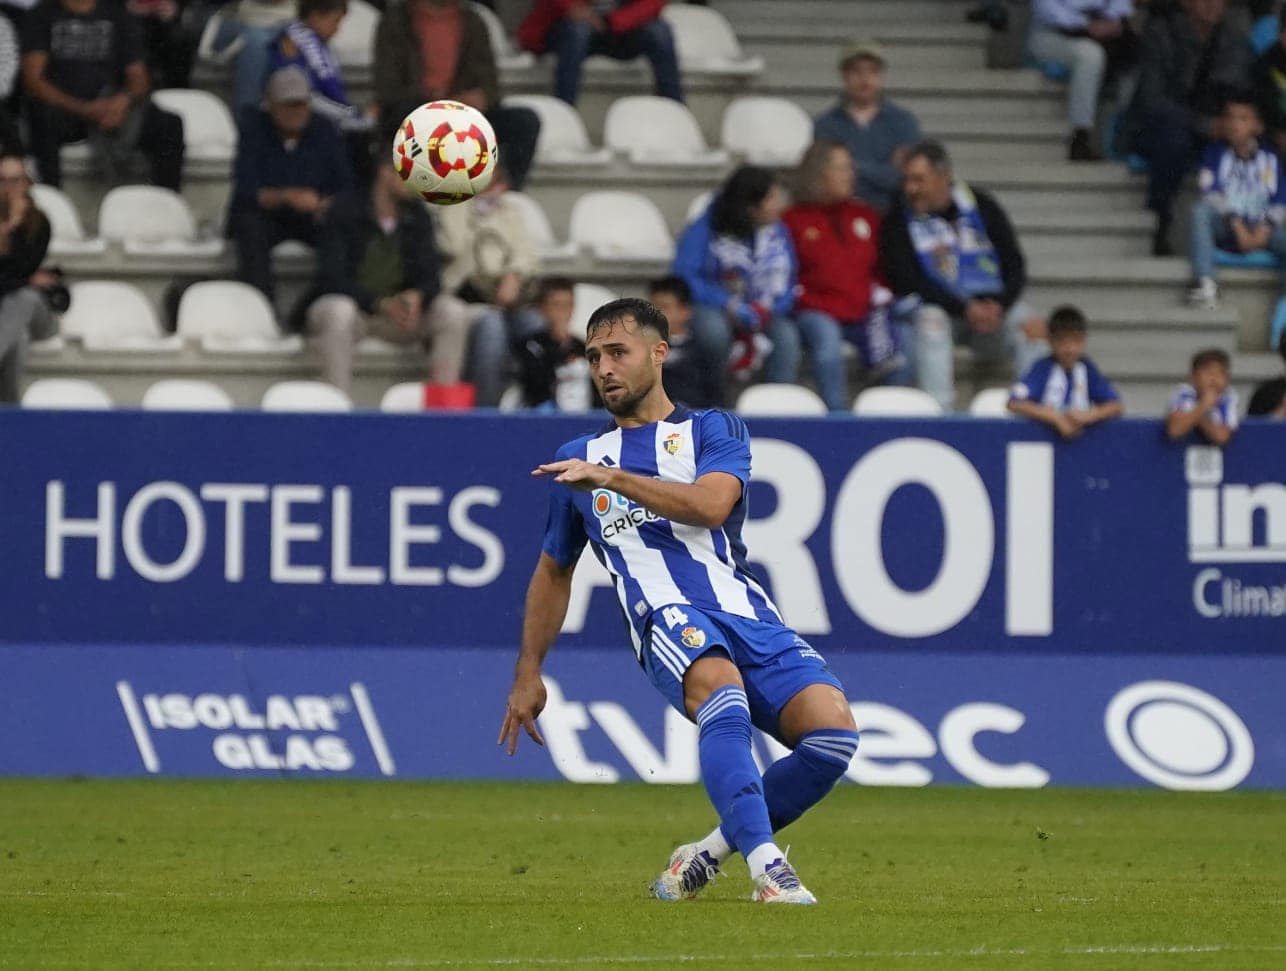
x=775, y=662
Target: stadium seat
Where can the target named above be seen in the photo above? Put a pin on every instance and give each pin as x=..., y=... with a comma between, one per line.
x=620, y=227
x=707, y=44
x=1256, y=260
x=69, y=393
x=149, y=220
x=539, y=229
x=779, y=399
x=698, y=205
x=512, y=399
x=563, y=140
x=403, y=398
x=906, y=402
x=110, y=315
x=774, y=132
x=305, y=396
x=186, y=394
x=230, y=317
x=588, y=297
x=649, y=130
x=991, y=403
x=354, y=44
x=209, y=133
x=508, y=58
x=67, y=234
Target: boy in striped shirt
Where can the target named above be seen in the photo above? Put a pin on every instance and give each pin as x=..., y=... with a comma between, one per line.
x=1205, y=403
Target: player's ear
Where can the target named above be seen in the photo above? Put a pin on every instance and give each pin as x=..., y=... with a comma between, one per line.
x=660, y=351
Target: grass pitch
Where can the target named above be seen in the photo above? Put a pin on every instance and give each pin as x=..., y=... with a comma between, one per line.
x=144, y=874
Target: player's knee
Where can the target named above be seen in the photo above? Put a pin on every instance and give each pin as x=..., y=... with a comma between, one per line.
x=828, y=751
x=726, y=711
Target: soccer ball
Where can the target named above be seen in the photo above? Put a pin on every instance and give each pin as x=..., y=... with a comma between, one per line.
x=445, y=152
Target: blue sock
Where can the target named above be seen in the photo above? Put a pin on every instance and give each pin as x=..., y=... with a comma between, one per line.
x=798, y=782
x=728, y=769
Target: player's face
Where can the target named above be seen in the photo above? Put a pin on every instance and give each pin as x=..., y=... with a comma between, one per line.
x=1210, y=378
x=864, y=81
x=1067, y=349
x=624, y=364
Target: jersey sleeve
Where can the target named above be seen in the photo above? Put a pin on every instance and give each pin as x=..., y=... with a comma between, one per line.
x=1182, y=401
x=1100, y=388
x=724, y=446
x=565, y=535
x=1031, y=386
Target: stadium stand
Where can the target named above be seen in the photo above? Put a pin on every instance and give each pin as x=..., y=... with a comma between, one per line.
x=990, y=403
x=312, y=396
x=779, y=399
x=620, y=226
x=68, y=393
x=896, y=402
x=186, y=394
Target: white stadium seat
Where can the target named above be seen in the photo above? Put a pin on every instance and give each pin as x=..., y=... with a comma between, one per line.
x=67, y=234
x=404, y=398
x=508, y=58
x=186, y=394
x=706, y=42
x=69, y=393
x=539, y=229
x=991, y=403
x=650, y=130
x=620, y=227
x=109, y=315
x=894, y=402
x=230, y=317
x=305, y=396
x=209, y=133
x=779, y=399
x=149, y=220
x=587, y=297
x=354, y=43
x=563, y=140
x=766, y=131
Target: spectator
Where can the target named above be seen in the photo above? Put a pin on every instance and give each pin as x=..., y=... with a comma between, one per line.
x=953, y=247
x=260, y=21
x=1269, y=79
x=689, y=376
x=1065, y=390
x=837, y=244
x=1269, y=399
x=737, y=259
x=169, y=43
x=1242, y=207
x=378, y=274
x=290, y=164
x=1206, y=403
x=877, y=132
x=24, y=238
x=10, y=61
x=1190, y=59
x=83, y=71
x=1094, y=39
x=440, y=49
x=303, y=43
x=619, y=29
x=552, y=369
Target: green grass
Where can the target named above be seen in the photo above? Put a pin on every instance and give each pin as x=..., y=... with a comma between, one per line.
x=329, y=874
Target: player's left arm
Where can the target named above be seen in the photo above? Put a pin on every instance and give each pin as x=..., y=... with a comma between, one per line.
x=706, y=503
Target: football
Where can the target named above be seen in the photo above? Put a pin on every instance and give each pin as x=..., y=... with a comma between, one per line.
x=445, y=152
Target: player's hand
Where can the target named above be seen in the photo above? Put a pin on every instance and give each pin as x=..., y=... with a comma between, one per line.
x=576, y=473
x=526, y=702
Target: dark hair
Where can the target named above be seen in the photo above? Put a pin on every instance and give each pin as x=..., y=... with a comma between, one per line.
x=1211, y=355
x=675, y=286
x=1242, y=98
x=1067, y=320
x=309, y=7
x=553, y=284
x=644, y=312
x=745, y=189
x=935, y=153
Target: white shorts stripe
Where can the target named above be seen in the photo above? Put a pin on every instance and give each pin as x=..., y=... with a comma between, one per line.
x=666, y=660
x=665, y=639
x=662, y=643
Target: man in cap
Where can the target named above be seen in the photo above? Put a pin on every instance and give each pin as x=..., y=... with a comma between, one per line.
x=877, y=132
x=290, y=164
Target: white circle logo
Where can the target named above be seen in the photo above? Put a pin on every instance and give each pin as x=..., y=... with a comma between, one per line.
x=1178, y=736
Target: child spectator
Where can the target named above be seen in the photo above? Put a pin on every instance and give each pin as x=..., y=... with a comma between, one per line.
x=1242, y=207
x=1066, y=390
x=690, y=376
x=1269, y=399
x=1205, y=403
x=552, y=368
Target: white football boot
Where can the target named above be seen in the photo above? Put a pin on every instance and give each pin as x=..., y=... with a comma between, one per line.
x=779, y=884
x=687, y=874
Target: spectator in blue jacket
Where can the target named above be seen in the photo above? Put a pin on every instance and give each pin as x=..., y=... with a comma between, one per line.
x=876, y=132
x=290, y=164
x=1066, y=390
x=304, y=42
x=738, y=261
x=1242, y=208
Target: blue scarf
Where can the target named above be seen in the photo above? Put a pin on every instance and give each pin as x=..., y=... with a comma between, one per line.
x=958, y=255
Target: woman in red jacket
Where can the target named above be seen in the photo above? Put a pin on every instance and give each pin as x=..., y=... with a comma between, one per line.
x=837, y=244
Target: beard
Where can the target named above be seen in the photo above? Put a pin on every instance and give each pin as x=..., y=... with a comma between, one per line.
x=627, y=404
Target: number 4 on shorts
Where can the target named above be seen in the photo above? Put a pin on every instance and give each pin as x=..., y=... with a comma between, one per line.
x=674, y=617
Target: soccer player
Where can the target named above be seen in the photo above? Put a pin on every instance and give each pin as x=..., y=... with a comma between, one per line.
x=660, y=494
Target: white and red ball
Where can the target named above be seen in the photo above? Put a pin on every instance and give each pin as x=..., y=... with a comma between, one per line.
x=445, y=152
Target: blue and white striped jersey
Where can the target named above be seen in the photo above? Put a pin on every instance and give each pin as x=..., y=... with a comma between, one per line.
x=1224, y=412
x=655, y=562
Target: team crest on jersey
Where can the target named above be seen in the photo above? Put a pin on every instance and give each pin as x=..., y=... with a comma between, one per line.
x=673, y=442
x=693, y=637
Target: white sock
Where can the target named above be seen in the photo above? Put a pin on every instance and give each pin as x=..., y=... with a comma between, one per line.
x=716, y=845
x=761, y=857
